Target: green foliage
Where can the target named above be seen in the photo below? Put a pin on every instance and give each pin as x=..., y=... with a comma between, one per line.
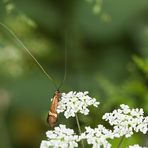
x=141, y=63
x=107, y=55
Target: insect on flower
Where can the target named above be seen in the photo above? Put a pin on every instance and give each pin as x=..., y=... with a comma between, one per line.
x=52, y=114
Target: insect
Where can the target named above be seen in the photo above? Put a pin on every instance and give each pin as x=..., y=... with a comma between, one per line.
x=52, y=114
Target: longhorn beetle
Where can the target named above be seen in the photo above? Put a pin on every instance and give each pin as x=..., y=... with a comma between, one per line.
x=52, y=114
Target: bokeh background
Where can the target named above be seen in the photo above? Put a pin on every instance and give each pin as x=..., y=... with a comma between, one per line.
x=107, y=55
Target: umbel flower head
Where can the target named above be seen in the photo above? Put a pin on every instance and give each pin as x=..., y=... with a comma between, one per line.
x=75, y=102
x=125, y=121
x=136, y=146
x=98, y=136
x=60, y=137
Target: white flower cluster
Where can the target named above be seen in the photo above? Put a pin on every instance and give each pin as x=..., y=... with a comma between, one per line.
x=98, y=136
x=125, y=121
x=136, y=146
x=75, y=102
x=60, y=137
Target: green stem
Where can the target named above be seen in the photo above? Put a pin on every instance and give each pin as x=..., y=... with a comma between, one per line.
x=120, y=142
x=79, y=128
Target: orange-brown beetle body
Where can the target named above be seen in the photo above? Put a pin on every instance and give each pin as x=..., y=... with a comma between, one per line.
x=52, y=114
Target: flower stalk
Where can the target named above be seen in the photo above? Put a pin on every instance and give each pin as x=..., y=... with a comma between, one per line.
x=79, y=128
x=120, y=142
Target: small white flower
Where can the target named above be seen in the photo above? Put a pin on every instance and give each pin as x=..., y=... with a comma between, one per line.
x=75, y=102
x=125, y=121
x=60, y=137
x=136, y=146
x=98, y=136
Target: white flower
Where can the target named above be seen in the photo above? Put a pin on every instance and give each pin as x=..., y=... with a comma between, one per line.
x=125, y=121
x=136, y=146
x=75, y=102
x=98, y=136
x=60, y=137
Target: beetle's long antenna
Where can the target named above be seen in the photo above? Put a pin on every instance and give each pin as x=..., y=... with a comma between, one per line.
x=65, y=65
x=28, y=51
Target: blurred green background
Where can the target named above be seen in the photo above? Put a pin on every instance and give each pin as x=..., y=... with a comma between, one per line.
x=107, y=55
